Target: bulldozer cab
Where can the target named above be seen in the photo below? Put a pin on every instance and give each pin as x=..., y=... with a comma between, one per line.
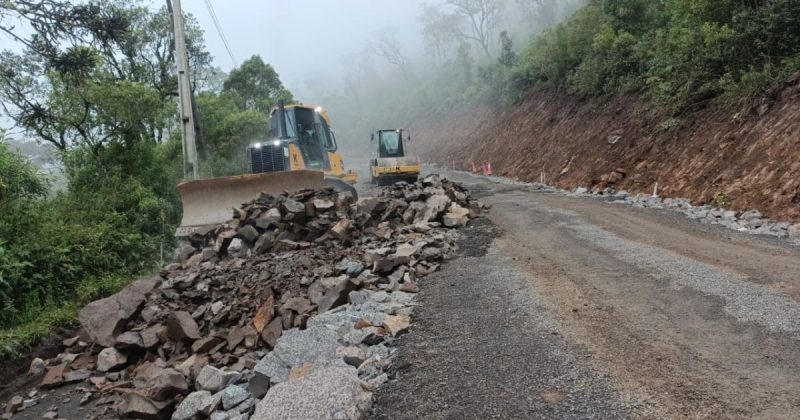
x=297, y=155
x=390, y=144
x=309, y=130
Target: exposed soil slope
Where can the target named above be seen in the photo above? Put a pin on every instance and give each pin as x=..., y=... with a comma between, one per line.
x=753, y=158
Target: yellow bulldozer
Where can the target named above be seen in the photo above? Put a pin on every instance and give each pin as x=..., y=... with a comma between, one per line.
x=392, y=163
x=301, y=152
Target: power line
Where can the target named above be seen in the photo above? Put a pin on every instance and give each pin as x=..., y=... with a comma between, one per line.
x=220, y=31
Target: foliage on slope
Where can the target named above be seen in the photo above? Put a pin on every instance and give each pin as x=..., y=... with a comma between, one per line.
x=684, y=53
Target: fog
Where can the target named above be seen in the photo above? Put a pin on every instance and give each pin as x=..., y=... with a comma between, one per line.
x=305, y=39
x=367, y=61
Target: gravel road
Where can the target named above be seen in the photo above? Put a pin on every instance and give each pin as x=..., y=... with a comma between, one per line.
x=583, y=308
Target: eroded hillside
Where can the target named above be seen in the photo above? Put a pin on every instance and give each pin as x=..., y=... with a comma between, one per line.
x=748, y=160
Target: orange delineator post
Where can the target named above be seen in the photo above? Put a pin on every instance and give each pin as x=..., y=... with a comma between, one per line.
x=487, y=168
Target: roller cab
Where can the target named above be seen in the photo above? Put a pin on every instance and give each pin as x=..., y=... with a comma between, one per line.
x=391, y=162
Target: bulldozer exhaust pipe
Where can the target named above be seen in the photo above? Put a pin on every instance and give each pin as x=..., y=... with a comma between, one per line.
x=282, y=120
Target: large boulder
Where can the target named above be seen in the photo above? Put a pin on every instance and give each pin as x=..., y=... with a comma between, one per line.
x=434, y=206
x=165, y=384
x=319, y=395
x=191, y=406
x=109, y=359
x=181, y=326
x=315, y=345
x=456, y=216
x=135, y=406
x=330, y=292
x=104, y=319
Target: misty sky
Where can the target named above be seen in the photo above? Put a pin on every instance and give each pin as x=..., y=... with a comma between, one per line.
x=300, y=38
x=304, y=38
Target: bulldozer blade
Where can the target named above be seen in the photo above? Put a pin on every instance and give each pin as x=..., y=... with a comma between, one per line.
x=340, y=185
x=211, y=201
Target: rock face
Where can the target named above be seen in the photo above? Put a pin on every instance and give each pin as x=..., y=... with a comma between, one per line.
x=325, y=393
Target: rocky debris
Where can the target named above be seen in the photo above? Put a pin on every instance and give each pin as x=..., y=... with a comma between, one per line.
x=750, y=221
x=329, y=392
x=165, y=384
x=192, y=406
x=104, y=319
x=110, y=358
x=181, y=326
x=135, y=406
x=396, y=324
x=37, y=367
x=213, y=379
x=352, y=355
x=302, y=286
x=15, y=403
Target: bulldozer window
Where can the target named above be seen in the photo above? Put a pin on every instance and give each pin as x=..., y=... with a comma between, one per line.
x=275, y=130
x=390, y=144
x=309, y=139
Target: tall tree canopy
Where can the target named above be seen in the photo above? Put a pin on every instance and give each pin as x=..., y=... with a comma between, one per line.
x=94, y=72
x=255, y=85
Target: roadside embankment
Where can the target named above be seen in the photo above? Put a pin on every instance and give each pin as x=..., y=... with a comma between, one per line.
x=748, y=160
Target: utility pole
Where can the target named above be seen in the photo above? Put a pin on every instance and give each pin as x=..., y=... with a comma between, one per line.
x=190, y=165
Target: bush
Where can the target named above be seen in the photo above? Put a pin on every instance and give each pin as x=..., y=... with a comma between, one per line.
x=120, y=209
x=685, y=53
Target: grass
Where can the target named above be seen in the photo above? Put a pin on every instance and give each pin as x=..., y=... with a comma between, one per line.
x=39, y=322
x=19, y=338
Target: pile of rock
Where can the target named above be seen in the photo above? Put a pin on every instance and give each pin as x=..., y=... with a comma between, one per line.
x=309, y=277
x=751, y=221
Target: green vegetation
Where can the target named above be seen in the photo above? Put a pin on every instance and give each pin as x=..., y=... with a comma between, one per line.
x=238, y=115
x=96, y=83
x=684, y=53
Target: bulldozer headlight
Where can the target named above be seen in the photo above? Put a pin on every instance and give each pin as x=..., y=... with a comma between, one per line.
x=276, y=143
x=318, y=109
x=257, y=145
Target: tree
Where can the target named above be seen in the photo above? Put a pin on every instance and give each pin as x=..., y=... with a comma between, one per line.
x=56, y=21
x=440, y=31
x=465, y=63
x=481, y=17
x=507, y=55
x=18, y=178
x=255, y=85
x=543, y=12
x=227, y=130
x=385, y=45
x=464, y=20
x=54, y=89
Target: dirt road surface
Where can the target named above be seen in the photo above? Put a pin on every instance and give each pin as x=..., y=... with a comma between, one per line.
x=579, y=308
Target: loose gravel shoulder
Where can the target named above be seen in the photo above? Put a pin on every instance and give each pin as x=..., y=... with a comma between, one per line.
x=484, y=345
x=689, y=317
